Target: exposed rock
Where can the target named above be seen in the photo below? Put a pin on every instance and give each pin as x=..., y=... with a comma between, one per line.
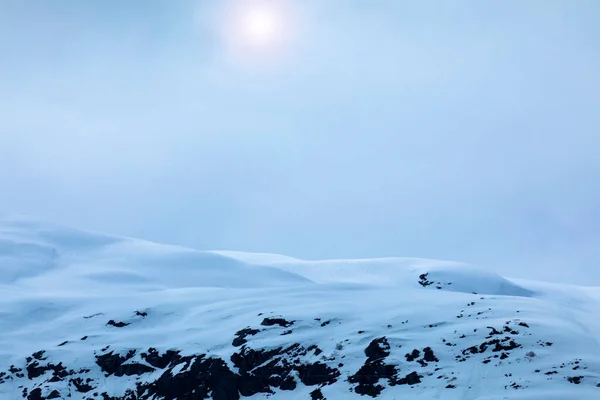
x=262, y=369
x=205, y=378
x=265, y=371
x=241, y=335
x=53, y=395
x=153, y=357
x=429, y=356
x=411, y=379
x=317, y=395
x=119, y=324
x=111, y=363
x=81, y=386
x=423, y=281
x=13, y=370
x=35, y=369
x=374, y=369
x=575, y=379
x=368, y=376
x=317, y=374
x=314, y=348
x=277, y=321
x=413, y=356
x=35, y=394
x=378, y=348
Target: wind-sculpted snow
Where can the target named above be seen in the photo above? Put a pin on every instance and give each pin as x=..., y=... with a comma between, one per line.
x=394, y=272
x=88, y=316
x=39, y=257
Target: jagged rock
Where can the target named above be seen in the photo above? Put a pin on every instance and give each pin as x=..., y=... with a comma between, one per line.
x=262, y=369
x=257, y=367
x=119, y=324
x=411, y=379
x=153, y=357
x=111, y=363
x=423, y=281
x=378, y=348
x=53, y=395
x=368, y=376
x=493, y=331
x=277, y=321
x=413, y=355
x=131, y=369
x=314, y=348
x=429, y=356
x=247, y=359
x=35, y=394
x=81, y=386
x=240, y=336
x=35, y=369
x=575, y=379
x=317, y=374
x=257, y=371
x=205, y=378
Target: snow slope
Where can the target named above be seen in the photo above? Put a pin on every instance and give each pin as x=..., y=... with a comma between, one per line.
x=91, y=316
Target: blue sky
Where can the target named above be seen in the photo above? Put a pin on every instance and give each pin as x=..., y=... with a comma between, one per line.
x=461, y=130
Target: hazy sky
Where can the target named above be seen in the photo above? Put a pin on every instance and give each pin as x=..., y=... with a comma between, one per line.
x=462, y=130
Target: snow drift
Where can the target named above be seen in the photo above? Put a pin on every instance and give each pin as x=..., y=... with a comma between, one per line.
x=92, y=316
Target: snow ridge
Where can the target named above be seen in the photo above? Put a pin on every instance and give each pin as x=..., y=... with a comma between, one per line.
x=92, y=316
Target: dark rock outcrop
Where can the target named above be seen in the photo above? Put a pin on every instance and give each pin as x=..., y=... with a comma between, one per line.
x=241, y=335
x=377, y=349
x=116, y=324
x=265, y=371
x=153, y=357
x=317, y=395
x=115, y=364
x=367, y=378
x=277, y=321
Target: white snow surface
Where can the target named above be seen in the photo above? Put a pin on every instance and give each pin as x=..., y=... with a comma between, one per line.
x=58, y=284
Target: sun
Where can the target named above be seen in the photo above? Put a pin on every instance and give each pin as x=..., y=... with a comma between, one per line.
x=256, y=32
x=260, y=26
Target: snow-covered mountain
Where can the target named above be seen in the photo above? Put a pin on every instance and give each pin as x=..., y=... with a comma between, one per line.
x=90, y=316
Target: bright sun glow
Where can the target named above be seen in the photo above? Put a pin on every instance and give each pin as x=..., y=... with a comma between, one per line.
x=258, y=31
x=260, y=26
